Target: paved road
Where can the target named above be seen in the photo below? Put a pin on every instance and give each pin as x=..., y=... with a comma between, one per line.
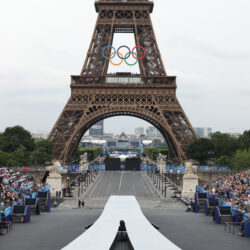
x=122, y=183
x=137, y=184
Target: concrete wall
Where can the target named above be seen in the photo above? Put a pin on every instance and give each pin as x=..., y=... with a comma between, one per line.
x=204, y=176
x=38, y=174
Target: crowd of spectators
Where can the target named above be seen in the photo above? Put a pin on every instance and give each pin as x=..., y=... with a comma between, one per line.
x=234, y=189
x=13, y=187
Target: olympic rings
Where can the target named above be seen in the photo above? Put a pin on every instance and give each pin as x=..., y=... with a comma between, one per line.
x=119, y=54
x=144, y=54
x=116, y=64
x=104, y=48
x=129, y=63
x=123, y=46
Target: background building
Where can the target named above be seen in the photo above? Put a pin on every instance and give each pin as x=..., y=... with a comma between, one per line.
x=151, y=132
x=123, y=145
x=97, y=129
x=203, y=132
x=139, y=131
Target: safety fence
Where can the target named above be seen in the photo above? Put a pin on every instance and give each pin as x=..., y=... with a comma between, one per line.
x=76, y=168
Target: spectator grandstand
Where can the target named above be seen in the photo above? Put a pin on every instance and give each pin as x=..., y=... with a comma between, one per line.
x=233, y=189
x=16, y=190
x=13, y=185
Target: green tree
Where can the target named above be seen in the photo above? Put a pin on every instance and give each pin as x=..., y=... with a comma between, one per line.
x=92, y=151
x=42, y=152
x=152, y=152
x=11, y=163
x=3, y=158
x=223, y=161
x=21, y=156
x=241, y=160
x=15, y=137
x=244, y=140
x=201, y=150
x=224, y=144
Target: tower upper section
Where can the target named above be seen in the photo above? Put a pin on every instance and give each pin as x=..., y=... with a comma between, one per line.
x=147, y=5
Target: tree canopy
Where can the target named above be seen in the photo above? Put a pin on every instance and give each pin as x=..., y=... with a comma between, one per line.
x=152, y=152
x=244, y=140
x=92, y=151
x=201, y=150
x=17, y=147
x=224, y=144
x=241, y=160
x=223, y=149
x=14, y=138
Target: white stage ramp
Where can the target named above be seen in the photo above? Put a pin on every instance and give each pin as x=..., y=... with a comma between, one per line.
x=101, y=235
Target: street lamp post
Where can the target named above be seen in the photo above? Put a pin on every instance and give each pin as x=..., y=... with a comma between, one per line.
x=68, y=186
x=162, y=180
x=165, y=187
x=159, y=181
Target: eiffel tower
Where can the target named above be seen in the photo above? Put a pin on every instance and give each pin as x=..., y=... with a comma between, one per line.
x=96, y=95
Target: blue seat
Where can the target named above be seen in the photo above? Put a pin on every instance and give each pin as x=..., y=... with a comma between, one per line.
x=21, y=214
x=246, y=228
x=209, y=206
x=34, y=204
x=199, y=205
x=223, y=214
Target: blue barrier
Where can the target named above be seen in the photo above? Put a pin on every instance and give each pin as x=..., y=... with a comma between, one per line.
x=45, y=189
x=245, y=217
x=236, y=214
x=148, y=167
x=224, y=204
x=97, y=167
x=181, y=169
x=22, y=192
x=7, y=212
x=200, y=190
x=33, y=195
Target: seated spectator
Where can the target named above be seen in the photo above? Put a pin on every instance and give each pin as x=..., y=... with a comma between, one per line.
x=234, y=189
x=14, y=185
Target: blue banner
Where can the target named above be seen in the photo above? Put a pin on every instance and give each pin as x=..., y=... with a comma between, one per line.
x=148, y=167
x=45, y=189
x=97, y=167
x=224, y=204
x=245, y=216
x=7, y=211
x=181, y=169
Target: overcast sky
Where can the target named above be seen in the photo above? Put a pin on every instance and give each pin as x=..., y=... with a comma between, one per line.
x=206, y=43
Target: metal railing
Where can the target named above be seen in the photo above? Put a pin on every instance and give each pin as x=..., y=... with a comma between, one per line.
x=5, y=225
x=230, y=227
x=127, y=79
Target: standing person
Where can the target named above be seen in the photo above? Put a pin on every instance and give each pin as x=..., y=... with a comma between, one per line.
x=83, y=203
x=79, y=204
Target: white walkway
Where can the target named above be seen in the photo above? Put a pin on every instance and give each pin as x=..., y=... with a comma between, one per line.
x=102, y=233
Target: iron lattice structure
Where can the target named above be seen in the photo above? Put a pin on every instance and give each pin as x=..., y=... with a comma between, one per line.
x=96, y=95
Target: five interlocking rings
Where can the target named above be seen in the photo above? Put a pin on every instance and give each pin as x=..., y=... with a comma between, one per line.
x=123, y=58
